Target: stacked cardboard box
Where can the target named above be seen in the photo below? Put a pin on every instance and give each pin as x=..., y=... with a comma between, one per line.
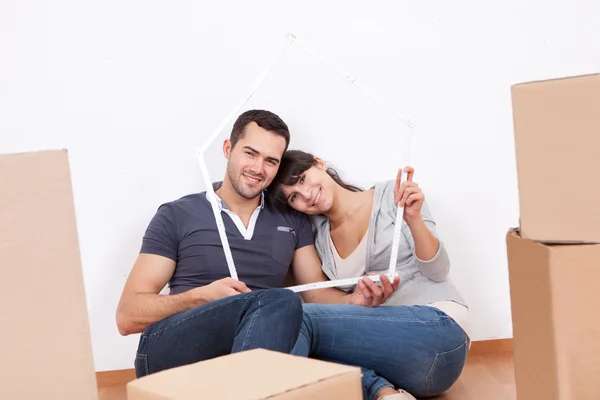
x=554, y=256
x=46, y=347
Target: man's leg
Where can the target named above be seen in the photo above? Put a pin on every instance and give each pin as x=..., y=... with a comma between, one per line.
x=419, y=349
x=267, y=319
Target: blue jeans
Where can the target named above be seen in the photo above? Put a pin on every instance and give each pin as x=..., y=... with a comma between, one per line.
x=268, y=319
x=416, y=348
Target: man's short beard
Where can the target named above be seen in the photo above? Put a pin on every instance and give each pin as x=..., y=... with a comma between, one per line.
x=238, y=186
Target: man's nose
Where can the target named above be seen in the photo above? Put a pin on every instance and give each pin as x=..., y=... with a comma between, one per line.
x=258, y=167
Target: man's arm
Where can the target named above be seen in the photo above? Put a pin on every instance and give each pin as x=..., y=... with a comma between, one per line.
x=141, y=304
x=306, y=267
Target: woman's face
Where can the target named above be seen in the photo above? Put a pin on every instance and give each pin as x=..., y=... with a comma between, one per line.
x=313, y=193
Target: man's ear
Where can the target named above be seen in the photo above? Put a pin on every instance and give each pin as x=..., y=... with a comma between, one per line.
x=227, y=148
x=321, y=164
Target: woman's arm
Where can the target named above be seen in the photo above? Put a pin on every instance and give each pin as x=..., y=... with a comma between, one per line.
x=426, y=244
x=432, y=257
x=306, y=267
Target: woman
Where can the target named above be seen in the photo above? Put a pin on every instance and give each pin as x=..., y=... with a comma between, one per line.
x=418, y=343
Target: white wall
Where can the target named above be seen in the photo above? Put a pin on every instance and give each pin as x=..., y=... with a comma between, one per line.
x=131, y=87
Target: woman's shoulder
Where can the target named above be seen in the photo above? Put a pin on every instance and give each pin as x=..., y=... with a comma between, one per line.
x=320, y=226
x=319, y=223
x=384, y=195
x=384, y=186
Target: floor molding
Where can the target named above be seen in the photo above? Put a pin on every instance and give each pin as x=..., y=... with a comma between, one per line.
x=496, y=346
x=123, y=376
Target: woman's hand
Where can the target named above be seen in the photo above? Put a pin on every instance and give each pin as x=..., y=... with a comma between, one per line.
x=409, y=195
x=369, y=294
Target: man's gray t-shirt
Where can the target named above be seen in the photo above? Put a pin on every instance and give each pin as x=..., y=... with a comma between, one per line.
x=185, y=231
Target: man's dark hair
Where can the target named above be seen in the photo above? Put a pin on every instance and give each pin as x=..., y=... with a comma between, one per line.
x=265, y=119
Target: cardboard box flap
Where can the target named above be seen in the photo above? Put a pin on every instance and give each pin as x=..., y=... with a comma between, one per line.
x=557, y=142
x=46, y=346
x=253, y=374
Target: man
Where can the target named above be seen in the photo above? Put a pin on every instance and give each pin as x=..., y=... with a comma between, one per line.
x=207, y=314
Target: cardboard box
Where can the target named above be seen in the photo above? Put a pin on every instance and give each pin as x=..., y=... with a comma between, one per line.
x=555, y=296
x=46, y=348
x=557, y=139
x=251, y=375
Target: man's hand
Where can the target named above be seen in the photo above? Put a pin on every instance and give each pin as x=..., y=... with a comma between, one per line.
x=367, y=293
x=220, y=289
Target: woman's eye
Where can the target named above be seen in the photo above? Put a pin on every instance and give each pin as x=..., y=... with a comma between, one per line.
x=293, y=197
x=302, y=179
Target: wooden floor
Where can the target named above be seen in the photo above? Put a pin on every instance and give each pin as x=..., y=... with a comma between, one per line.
x=488, y=377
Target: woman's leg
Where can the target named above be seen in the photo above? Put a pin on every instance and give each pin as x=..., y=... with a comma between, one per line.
x=417, y=348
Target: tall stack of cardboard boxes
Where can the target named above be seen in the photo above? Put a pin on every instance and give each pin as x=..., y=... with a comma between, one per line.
x=554, y=256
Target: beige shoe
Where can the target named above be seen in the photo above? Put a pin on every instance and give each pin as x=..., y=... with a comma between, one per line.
x=401, y=395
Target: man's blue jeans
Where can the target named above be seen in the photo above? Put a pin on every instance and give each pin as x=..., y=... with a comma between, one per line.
x=416, y=348
x=268, y=319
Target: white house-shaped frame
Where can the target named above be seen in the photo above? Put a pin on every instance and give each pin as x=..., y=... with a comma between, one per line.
x=292, y=41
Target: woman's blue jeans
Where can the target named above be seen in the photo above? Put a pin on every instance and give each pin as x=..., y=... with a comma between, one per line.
x=417, y=348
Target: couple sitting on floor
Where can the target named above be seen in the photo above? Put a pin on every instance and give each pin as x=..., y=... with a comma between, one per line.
x=286, y=209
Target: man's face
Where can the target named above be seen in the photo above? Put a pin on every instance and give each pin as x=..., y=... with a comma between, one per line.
x=253, y=162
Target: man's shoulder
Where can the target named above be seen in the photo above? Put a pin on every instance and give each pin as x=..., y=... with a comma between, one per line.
x=189, y=198
x=185, y=203
x=192, y=200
